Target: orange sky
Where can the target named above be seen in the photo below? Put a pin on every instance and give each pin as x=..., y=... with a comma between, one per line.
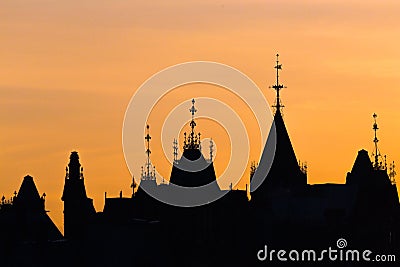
x=69, y=68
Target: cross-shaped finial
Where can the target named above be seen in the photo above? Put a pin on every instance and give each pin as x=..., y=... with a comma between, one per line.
x=193, y=139
x=193, y=110
x=278, y=86
x=148, y=137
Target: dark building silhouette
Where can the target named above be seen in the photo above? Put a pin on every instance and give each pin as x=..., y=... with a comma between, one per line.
x=283, y=212
x=24, y=216
x=25, y=226
x=192, y=169
x=78, y=208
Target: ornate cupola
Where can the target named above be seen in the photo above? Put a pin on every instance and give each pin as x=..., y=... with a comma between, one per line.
x=192, y=169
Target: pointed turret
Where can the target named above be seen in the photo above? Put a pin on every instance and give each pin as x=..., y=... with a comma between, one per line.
x=28, y=196
x=362, y=170
x=192, y=169
x=78, y=208
x=284, y=172
x=31, y=222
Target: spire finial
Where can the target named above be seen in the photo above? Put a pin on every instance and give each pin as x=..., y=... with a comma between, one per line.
x=192, y=110
x=211, y=149
x=147, y=138
x=193, y=140
x=147, y=174
x=277, y=87
x=376, y=140
x=175, y=147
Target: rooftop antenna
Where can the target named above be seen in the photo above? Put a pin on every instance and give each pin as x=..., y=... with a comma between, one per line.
x=277, y=87
x=375, y=128
x=175, y=147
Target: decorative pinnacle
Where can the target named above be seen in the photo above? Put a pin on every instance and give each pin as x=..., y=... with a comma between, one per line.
x=193, y=141
x=392, y=173
x=175, y=147
x=211, y=149
x=148, y=174
x=277, y=87
x=147, y=138
x=193, y=110
x=376, y=140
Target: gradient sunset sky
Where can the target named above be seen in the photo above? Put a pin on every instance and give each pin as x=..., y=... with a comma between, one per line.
x=69, y=68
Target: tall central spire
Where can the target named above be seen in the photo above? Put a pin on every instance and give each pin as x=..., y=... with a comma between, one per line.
x=278, y=105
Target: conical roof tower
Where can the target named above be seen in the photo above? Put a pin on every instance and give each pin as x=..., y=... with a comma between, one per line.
x=284, y=172
x=31, y=220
